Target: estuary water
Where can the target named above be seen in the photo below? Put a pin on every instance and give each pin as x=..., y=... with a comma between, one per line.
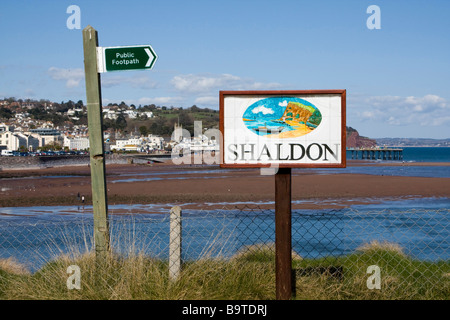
x=420, y=227
x=34, y=235
x=411, y=155
x=422, y=154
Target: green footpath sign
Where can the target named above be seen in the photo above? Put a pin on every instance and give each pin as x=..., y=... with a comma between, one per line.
x=125, y=58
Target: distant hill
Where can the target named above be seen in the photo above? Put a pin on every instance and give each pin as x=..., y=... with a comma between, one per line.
x=354, y=140
x=413, y=142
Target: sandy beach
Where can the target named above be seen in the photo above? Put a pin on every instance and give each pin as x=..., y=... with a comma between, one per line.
x=200, y=184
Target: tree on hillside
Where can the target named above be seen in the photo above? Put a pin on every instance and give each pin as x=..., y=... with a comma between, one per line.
x=79, y=104
x=186, y=120
x=121, y=122
x=194, y=108
x=123, y=106
x=5, y=113
x=143, y=131
x=161, y=127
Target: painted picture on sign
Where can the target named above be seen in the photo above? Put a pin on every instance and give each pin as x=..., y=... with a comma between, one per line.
x=282, y=117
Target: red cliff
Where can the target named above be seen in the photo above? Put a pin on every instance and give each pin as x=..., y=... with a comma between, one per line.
x=354, y=140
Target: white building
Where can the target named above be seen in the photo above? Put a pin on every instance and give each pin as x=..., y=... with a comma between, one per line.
x=152, y=142
x=196, y=144
x=71, y=112
x=47, y=136
x=132, y=114
x=13, y=141
x=149, y=114
x=21, y=115
x=7, y=139
x=141, y=144
x=76, y=143
x=109, y=114
x=132, y=144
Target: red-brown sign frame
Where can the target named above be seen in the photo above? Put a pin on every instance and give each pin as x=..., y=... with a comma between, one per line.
x=275, y=93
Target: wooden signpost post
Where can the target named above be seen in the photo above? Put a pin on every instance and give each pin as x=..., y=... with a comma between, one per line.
x=96, y=148
x=281, y=130
x=283, y=230
x=95, y=62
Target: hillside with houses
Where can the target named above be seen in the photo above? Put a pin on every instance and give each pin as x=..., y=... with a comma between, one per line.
x=31, y=126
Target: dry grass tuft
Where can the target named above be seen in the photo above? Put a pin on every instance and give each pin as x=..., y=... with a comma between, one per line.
x=10, y=265
x=381, y=246
x=262, y=249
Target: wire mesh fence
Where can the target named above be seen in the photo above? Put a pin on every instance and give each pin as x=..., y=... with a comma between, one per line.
x=337, y=254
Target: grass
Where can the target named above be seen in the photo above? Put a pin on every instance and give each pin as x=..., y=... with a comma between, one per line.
x=250, y=274
x=401, y=277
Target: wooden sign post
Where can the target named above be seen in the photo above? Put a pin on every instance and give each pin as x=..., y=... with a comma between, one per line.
x=283, y=239
x=96, y=148
x=281, y=130
x=98, y=60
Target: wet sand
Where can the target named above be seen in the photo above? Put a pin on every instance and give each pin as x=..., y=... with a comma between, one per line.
x=198, y=184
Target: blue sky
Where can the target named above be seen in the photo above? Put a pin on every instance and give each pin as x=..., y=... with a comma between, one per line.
x=397, y=77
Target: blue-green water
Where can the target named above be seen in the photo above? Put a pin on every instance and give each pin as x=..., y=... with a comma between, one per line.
x=33, y=235
x=420, y=226
x=411, y=155
x=421, y=154
x=380, y=170
x=426, y=154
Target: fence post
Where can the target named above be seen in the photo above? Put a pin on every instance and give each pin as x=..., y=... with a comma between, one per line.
x=175, y=243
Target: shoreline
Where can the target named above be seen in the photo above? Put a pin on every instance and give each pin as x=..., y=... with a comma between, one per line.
x=201, y=184
x=119, y=210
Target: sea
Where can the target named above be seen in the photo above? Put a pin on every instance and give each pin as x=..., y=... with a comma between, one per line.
x=411, y=155
x=33, y=235
x=422, y=154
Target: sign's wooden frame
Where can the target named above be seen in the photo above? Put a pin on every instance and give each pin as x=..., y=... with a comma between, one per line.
x=302, y=93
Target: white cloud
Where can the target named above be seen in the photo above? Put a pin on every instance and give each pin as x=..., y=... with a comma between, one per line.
x=166, y=101
x=210, y=83
x=207, y=100
x=71, y=76
x=202, y=83
x=429, y=110
x=141, y=82
x=203, y=89
x=264, y=110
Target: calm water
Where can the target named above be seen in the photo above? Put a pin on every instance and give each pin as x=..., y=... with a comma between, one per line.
x=34, y=235
x=419, y=226
x=405, y=171
x=410, y=155
x=422, y=154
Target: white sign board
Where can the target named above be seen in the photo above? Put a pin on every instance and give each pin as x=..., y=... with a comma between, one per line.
x=283, y=128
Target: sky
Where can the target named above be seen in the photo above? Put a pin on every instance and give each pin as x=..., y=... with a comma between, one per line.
x=397, y=77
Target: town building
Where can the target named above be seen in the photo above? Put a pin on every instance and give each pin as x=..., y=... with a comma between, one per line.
x=76, y=143
x=141, y=144
x=14, y=141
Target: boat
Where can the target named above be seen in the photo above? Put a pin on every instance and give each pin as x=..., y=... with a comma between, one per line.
x=267, y=130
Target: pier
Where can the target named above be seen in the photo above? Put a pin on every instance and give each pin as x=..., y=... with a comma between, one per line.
x=377, y=153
